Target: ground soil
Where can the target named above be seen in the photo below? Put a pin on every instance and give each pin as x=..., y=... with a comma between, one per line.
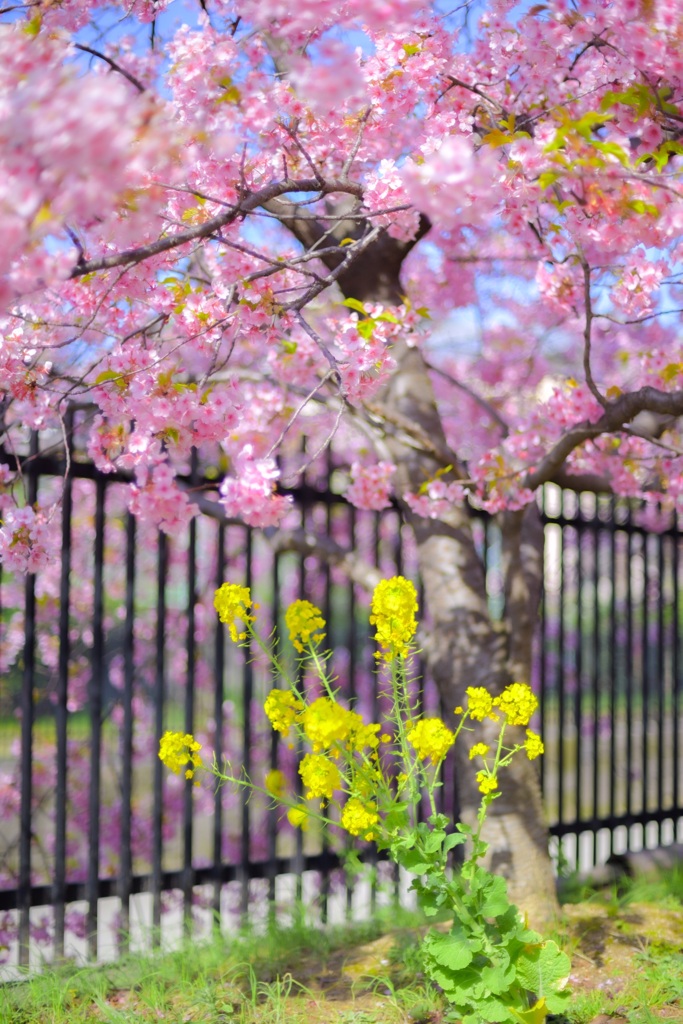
x=606, y=945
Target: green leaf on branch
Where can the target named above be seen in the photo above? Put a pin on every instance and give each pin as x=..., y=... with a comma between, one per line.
x=452, y=951
x=495, y=893
x=544, y=969
x=429, y=901
x=413, y=861
x=355, y=305
x=452, y=841
x=499, y=978
x=493, y=1010
x=434, y=842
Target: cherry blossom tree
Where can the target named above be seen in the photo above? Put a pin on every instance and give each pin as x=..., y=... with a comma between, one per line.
x=443, y=240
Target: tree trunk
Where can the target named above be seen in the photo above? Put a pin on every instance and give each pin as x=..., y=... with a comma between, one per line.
x=466, y=647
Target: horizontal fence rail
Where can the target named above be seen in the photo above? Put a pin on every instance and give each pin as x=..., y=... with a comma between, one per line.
x=116, y=640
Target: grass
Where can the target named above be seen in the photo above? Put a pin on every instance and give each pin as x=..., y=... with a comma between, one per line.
x=626, y=945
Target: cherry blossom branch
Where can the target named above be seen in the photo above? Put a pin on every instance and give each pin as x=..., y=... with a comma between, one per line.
x=616, y=415
x=486, y=406
x=112, y=63
x=314, y=336
x=351, y=251
x=331, y=374
x=587, y=333
x=132, y=256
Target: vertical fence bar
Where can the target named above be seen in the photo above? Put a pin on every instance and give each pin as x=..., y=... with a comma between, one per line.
x=677, y=682
x=578, y=663
x=158, y=777
x=61, y=714
x=126, y=741
x=189, y=708
x=645, y=682
x=660, y=670
x=219, y=658
x=595, y=673
x=559, y=680
x=95, y=709
x=352, y=639
x=27, y=714
x=247, y=697
x=271, y=825
x=629, y=669
x=543, y=644
x=327, y=615
x=614, y=691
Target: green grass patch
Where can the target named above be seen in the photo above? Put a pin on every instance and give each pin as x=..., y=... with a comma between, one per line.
x=625, y=941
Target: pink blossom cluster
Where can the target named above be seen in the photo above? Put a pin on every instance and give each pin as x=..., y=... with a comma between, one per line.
x=251, y=495
x=371, y=485
x=27, y=543
x=58, y=134
x=546, y=207
x=434, y=500
x=156, y=497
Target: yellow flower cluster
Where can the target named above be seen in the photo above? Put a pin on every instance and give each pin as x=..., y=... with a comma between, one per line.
x=326, y=723
x=533, y=745
x=177, y=749
x=282, y=708
x=276, y=783
x=518, y=702
x=358, y=817
x=479, y=750
x=303, y=619
x=394, y=604
x=431, y=738
x=232, y=602
x=480, y=704
x=487, y=783
x=320, y=776
x=329, y=725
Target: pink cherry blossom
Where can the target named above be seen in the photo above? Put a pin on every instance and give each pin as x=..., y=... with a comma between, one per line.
x=371, y=485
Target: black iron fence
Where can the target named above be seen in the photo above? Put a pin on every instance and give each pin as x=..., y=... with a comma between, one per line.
x=115, y=640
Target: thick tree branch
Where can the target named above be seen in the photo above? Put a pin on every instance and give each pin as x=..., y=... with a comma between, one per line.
x=617, y=413
x=130, y=257
x=305, y=543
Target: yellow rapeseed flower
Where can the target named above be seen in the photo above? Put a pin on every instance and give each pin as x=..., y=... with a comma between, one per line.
x=358, y=817
x=320, y=776
x=487, y=783
x=282, y=708
x=518, y=702
x=327, y=724
x=479, y=750
x=394, y=604
x=533, y=744
x=480, y=704
x=431, y=738
x=276, y=783
x=177, y=749
x=363, y=735
x=231, y=601
x=303, y=619
x=298, y=817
